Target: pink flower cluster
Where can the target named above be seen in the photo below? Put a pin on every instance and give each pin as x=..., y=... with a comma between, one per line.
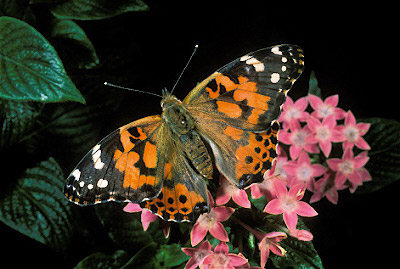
x=318, y=155
x=321, y=147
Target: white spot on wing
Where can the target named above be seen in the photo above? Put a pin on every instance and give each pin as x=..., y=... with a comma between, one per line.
x=259, y=66
x=275, y=77
x=102, y=183
x=96, y=153
x=77, y=174
x=275, y=50
x=82, y=183
x=90, y=186
x=284, y=59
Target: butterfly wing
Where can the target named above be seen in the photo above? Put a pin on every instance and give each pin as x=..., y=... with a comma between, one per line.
x=236, y=107
x=121, y=167
x=184, y=193
x=140, y=162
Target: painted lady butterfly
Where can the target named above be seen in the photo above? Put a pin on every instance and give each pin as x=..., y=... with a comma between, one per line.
x=227, y=122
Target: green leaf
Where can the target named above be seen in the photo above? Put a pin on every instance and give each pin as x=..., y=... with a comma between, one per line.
x=16, y=9
x=384, y=163
x=313, y=85
x=73, y=45
x=30, y=68
x=300, y=254
x=36, y=206
x=95, y=10
x=16, y=119
x=171, y=255
x=101, y=260
x=126, y=230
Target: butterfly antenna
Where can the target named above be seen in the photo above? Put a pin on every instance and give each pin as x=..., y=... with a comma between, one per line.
x=130, y=89
x=191, y=56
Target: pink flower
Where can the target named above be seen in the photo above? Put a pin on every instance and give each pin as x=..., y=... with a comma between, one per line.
x=288, y=203
x=297, y=139
x=147, y=216
x=227, y=191
x=197, y=255
x=353, y=132
x=348, y=167
x=292, y=110
x=326, y=108
x=211, y=222
x=269, y=242
x=303, y=171
x=325, y=187
x=324, y=133
x=221, y=258
x=266, y=187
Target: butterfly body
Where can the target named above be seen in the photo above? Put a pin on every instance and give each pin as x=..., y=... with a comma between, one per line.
x=227, y=122
x=185, y=135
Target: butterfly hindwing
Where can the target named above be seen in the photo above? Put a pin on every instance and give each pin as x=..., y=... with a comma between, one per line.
x=184, y=193
x=121, y=167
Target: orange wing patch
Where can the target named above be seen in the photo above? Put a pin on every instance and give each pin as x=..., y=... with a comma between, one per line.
x=177, y=203
x=257, y=156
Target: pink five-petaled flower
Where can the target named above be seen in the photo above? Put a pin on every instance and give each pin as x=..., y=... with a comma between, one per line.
x=303, y=171
x=288, y=203
x=324, y=133
x=326, y=108
x=296, y=138
x=197, y=255
x=293, y=110
x=211, y=222
x=353, y=132
x=221, y=258
x=227, y=191
x=348, y=167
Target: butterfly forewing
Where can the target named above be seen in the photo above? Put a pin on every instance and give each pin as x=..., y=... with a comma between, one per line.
x=121, y=167
x=235, y=109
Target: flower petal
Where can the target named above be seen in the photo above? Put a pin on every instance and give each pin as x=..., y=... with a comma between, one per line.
x=132, y=208
x=241, y=198
x=197, y=234
x=332, y=100
x=219, y=232
x=236, y=260
x=274, y=207
x=315, y=101
x=305, y=210
x=223, y=213
x=222, y=247
x=290, y=219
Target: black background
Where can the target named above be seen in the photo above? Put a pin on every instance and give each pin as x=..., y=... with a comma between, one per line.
x=350, y=49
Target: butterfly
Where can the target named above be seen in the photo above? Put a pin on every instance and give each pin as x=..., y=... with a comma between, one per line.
x=227, y=122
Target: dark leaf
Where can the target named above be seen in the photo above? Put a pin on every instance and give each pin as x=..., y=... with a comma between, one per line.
x=313, y=85
x=384, y=163
x=30, y=69
x=36, y=206
x=73, y=45
x=16, y=119
x=126, y=230
x=94, y=10
x=171, y=255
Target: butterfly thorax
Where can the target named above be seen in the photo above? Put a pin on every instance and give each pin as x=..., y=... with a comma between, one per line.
x=185, y=135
